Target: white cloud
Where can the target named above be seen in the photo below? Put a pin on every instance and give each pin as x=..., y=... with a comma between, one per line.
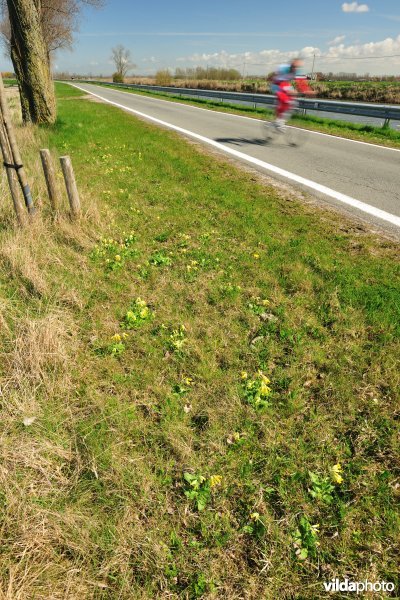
x=338, y=57
x=351, y=7
x=252, y=61
x=337, y=40
x=387, y=47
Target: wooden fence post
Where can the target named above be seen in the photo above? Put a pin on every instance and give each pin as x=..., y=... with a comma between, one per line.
x=16, y=157
x=50, y=177
x=11, y=176
x=72, y=190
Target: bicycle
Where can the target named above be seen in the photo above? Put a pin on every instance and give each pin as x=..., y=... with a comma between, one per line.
x=292, y=136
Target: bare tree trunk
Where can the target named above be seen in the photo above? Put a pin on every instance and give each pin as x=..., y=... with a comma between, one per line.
x=29, y=55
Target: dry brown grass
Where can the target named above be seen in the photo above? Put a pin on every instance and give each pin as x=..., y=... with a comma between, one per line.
x=20, y=255
x=36, y=364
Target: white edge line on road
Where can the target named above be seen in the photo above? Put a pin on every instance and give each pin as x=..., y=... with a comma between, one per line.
x=317, y=187
x=227, y=114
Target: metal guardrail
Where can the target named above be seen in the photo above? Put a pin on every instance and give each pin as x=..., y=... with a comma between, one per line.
x=378, y=111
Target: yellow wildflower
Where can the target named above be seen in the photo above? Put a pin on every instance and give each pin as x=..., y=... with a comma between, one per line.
x=264, y=378
x=264, y=389
x=117, y=258
x=215, y=480
x=336, y=471
x=256, y=255
x=244, y=375
x=116, y=338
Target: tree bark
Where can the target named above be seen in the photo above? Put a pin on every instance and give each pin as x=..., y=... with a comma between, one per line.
x=29, y=55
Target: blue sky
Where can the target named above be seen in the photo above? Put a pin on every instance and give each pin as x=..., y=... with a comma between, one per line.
x=253, y=36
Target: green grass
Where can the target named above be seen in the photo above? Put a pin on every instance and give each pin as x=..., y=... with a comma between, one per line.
x=156, y=468
x=9, y=82
x=384, y=136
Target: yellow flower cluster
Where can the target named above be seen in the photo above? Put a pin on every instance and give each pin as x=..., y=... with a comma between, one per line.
x=137, y=314
x=215, y=480
x=265, y=390
x=336, y=474
x=118, y=338
x=256, y=391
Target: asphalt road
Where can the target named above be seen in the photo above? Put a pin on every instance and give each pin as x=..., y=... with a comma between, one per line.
x=360, y=179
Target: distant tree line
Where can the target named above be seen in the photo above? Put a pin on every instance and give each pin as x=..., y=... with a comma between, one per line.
x=213, y=73
x=319, y=76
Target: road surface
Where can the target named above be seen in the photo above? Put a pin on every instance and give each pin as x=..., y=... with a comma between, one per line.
x=361, y=179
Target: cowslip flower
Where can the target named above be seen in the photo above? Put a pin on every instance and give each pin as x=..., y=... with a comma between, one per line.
x=215, y=480
x=336, y=472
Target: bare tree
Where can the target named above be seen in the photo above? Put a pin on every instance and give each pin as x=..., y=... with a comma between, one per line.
x=29, y=55
x=121, y=58
x=54, y=21
x=59, y=20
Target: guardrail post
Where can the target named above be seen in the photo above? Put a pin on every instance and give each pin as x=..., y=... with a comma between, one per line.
x=386, y=123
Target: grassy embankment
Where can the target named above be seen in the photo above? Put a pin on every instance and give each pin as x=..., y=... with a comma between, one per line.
x=384, y=136
x=143, y=455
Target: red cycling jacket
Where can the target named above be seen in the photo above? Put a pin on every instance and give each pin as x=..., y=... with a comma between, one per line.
x=284, y=94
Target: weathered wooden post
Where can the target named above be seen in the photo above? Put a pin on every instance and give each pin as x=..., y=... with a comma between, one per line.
x=72, y=190
x=16, y=162
x=11, y=176
x=49, y=174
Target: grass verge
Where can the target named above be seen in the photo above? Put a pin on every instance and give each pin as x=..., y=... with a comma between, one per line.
x=10, y=82
x=384, y=136
x=199, y=390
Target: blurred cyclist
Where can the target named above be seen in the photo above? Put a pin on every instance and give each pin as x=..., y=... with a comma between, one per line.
x=285, y=92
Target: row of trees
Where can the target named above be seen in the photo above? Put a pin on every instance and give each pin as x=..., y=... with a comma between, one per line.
x=319, y=76
x=213, y=73
x=32, y=31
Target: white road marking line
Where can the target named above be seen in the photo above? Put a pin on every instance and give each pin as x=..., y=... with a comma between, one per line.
x=322, y=189
x=227, y=114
